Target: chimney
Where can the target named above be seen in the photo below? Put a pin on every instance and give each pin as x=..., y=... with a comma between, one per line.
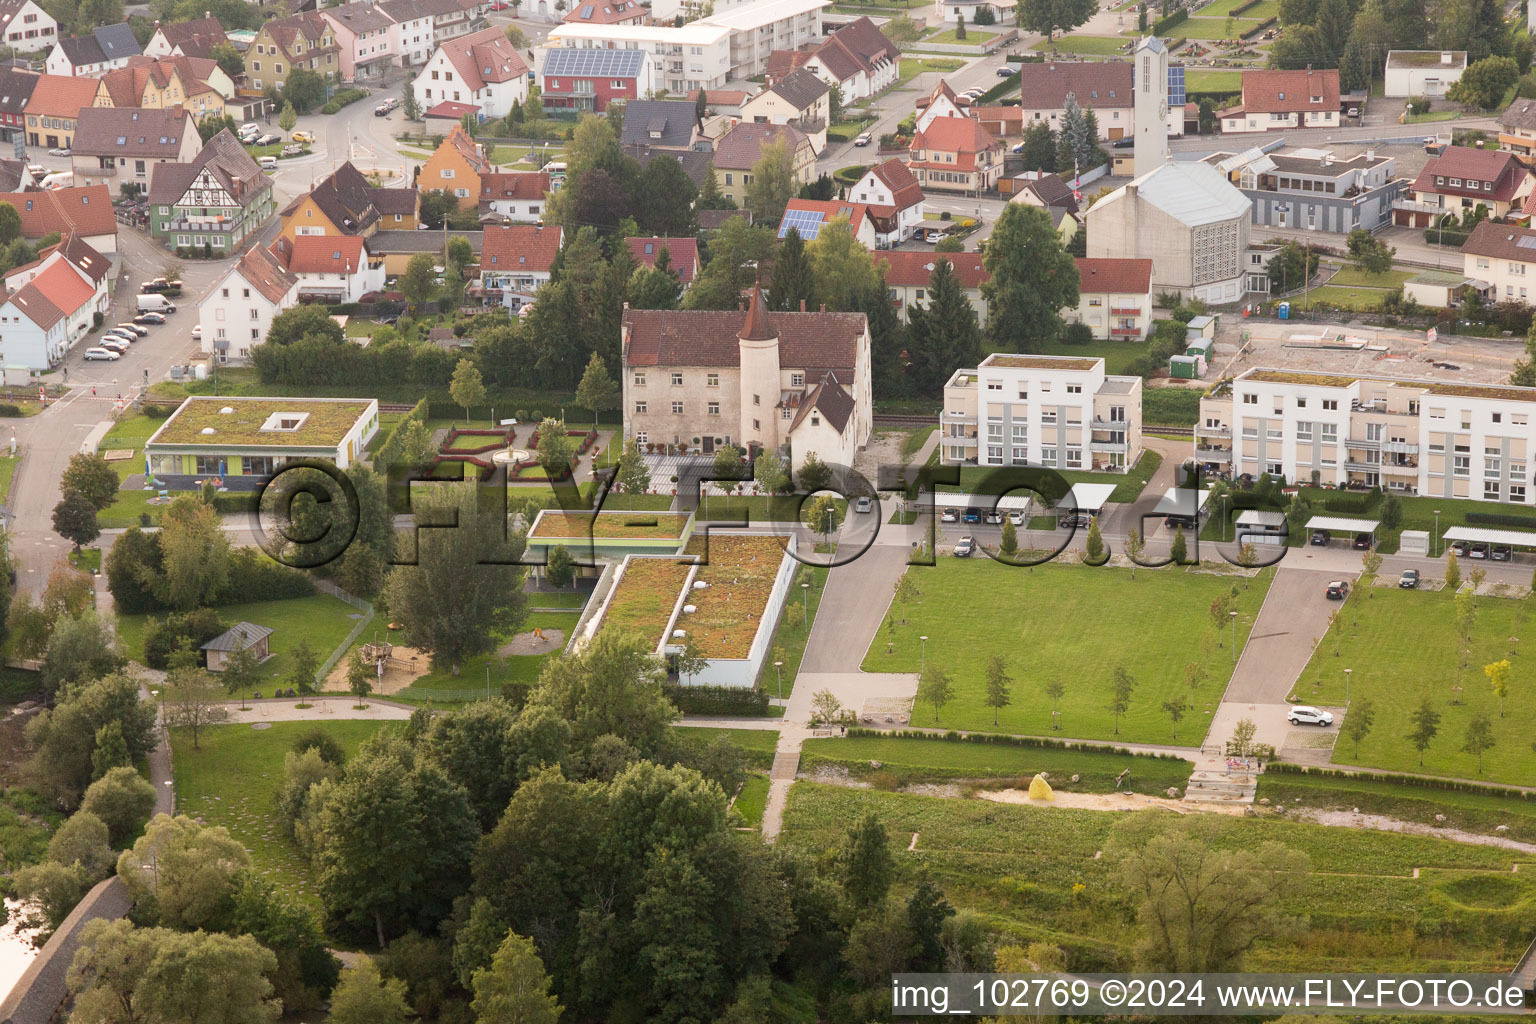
x=1130, y=191
x=1370, y=156
x=802, y=305
x=823, y=307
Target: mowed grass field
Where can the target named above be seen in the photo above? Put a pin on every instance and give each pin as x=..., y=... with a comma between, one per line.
x=230, y=779
x=1403, y=646
x=1102, y=45
x=1211, y=80
x=1074, y=624
x=1016, y=866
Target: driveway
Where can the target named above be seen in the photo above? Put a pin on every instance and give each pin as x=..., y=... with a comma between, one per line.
x=852, y=608
x=1294, y=616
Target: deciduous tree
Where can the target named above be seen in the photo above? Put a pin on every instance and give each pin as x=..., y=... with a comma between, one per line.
x=1032, y=278
x=183, y=873
x=936, y=687
x=1121, y=684
x=999, y=688
x=773, y=182
x=1426, y=726
x=1479, y=738
x=74, y=519
x=514, y=989
x=89, y=475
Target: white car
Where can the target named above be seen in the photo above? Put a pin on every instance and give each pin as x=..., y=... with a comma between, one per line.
x=126, y=339
x=863, y=505
x=197, y=331
x=59, y=151
x=1305, y=714
x=863, y=140
x=949, y=515
x=1016, y=517
x=101, y=353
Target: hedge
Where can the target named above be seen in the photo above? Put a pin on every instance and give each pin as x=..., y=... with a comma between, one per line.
x=9, y=410
x=389, y=449
x=1249, y=5
x=199, y=626
x=253, y=576
x=718, y=700
x=998, y=739
x=1350, y=501
x=341, y=98
x=1501, y=519
x=1162, y=25
x=1449, y=238
x=1448, y=785
x=1260, y=27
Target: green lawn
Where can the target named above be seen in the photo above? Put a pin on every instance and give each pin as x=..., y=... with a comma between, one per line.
x=1128, y=486
x=789, y=643
x=759, y=741
x=1212, y=80
x=1418, y=514
x=1361, y=299
x=1467, y=811
x=1102, y=45
x=1433, y=115
x=543, y=599
x=1044, y=874
x=7, y=471
x=1224, y=8
x=911, y=67
x=973, y=36
x=1354, y=277
x=753, y=799
x=323, y=621
x=1397, y=676
x=914, y=440
x=1170, y=407
x=515, y=668
x=230, y=780
x=915, y=760
x=1041, y=618
x=131, y=431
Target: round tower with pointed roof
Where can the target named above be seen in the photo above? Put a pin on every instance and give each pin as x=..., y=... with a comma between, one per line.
x=760, y=379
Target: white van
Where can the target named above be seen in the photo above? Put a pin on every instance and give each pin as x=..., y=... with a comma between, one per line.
x=267, y=163
x=59, y=179
x=156, y=302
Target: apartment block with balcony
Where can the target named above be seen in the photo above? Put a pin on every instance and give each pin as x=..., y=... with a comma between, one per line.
x=1411, y=437
x=1311, y=189
x=1060, y=412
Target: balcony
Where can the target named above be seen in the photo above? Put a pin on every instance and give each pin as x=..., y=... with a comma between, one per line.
x=966, y=441
x=1213, y=454
x=1213, y=431
x=1363, y=443
x=1354, y=466
x=1108, y=446
x=1099, y=424
x=959, y=417
x=1400, y=447
x=1400, y=468
x=1125, y=332
x=1132, y=311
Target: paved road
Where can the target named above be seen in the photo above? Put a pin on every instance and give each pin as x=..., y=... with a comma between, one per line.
x=1293, y=618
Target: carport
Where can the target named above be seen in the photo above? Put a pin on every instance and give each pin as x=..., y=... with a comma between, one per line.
x=1183, y=506
x=1340, y=524
x=1478, y=535
x=944, y=500
x=1083, y=503
x=1261, y=526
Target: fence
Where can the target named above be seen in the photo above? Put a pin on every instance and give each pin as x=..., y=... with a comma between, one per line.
x=327, y=587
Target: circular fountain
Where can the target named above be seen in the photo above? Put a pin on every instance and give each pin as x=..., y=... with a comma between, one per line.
x=510, y=456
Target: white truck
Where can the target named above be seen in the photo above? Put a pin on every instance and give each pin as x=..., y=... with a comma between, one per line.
x=156, y=303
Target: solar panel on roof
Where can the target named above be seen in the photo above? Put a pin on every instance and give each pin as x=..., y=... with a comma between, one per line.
x=806, y=222
x=1526, y=242
x=1175, y=86
x=593, y=62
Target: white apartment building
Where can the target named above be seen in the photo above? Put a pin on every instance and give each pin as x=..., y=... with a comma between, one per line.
x=1412, y=437
x=237, y=312
x=1060, y=412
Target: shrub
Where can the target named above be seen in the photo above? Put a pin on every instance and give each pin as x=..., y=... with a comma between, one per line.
x=1501, y=519
x=1351, y=501
x=198, y=626
x=1162, y=25
x=341, y=98
x=10, y=411
x=718, y=700
x=1077, y=334
x=255, y=577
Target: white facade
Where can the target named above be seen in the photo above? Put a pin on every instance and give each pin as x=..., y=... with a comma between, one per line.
x=337, y=287
x=411, y=40
x=941, y=106
x=1151, y=87
x=1061, y=412
x=1412, y=437
x=950, y=10
x=239, y=314
x=696, y=56
x=31, y=29
x=1423, y=72
x=759, y=28
x=25, y=343
x=58, y=63
x=439, y=80
x=871, y=190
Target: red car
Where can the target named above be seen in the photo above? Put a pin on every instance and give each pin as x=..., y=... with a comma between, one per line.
x=500, y=5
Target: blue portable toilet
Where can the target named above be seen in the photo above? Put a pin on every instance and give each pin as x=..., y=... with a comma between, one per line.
x=1284, y=311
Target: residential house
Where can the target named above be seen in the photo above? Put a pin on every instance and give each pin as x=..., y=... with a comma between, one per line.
x=951, y=11
x=908, y=273
x=396, y=248
x=454, y=18
x=196, y=83
x=1500, y=260
x=722, y=101
x=54, y=106
x=1460, y=180
x=1314, y=190
x=1114, y=298
x=1422, y=72
x=81, y=210
x=1517, y=129
x=1000, y=121
x=455, y=167
x=243, y=441
x=365, y=38
x=515, y=262
x=305, y=40
x=799, y=99
x=237, y=312
x=739, y=150
x=1278, y=100
x=123, y=145
x=808, y=216
x=695, y=56
x=413, y=36
x=27, y=27
x=682, y=255
x=695, y=164
x=15, y=177
x=513, y=197
x=15, y=91
x=660, y=124
x=1040, y=188
x=893, y=202
x=331, y=269
x=1060, y=412
x=956, y=154
x=195, y=38
x=92, y=55
x=242, y=636
x=1445, y=439
x=858, y=59
x=1101, y=86
x=212, y=202
x=762, y=381
x=344, y=203
x=573, y=79
x=41, y=320
x=482, y=69
x=606, y=12
x=941, y=102
x=92, y=267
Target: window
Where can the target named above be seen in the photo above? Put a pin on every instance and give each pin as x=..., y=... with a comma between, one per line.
x=757, y=425
x=677, y=380
x=640, y=408
x=712, y=379
x=1250, y=399
x=677, y=408
x=714, y=408
x=1048, y=416
x=757, y=400
x=994, y=385
x=1048, y=456
x=1461, y=465
x=1330, y=404
x=1491, y=490
x=1020, y=433
x=1020, y=455
x=641, y=437
x=797, y=380
x=1303, y=430
x=1074, y=458
x=208, y=464
x=447, y=172
x=1074, y=389
x=1301, y=403
x=640, y=378
x=728, y=179
x=1517, y=492
x=1517, y=471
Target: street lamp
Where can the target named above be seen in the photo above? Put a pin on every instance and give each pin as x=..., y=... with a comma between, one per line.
x=1347, y=673
x=922, y=663
x=1437, y=533
x=1233, y=616
x=778, y=667
x=805, y=593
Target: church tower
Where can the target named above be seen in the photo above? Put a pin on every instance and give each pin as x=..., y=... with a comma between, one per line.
x=759, y=382
x=1151, y=73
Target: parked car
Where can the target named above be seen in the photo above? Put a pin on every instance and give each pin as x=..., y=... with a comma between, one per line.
x=97, y=352
x=121, y=335
x=994, y=518
x=863, y=139
x=59, y=151
x=1016, y=517
x=1409, y=580
x=267, y=163
x=113, y=344
x=382, y=110
x=1352, y=112
x=863, y=505
x=1320, y=538
x=304, y=137
x=1362, y=542
x=158, y=284
x=37, y=170
x=1305, y=714
x=149, y=318
x=965, y=546
x=136, y=330
x=1018, y=147
x=1338, y=590
x=1501, y=552
x=268, y=139
x=1461, y=548
x=949, y=515
x=292, y=149
x=972, y=515
x=197, y=331
x=1479, y=550
x=1007, y=71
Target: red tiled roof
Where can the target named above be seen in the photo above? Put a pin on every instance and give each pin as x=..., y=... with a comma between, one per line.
x=63, y=287
x=913, y=269
x=1004, y=114
x=894, y=175
x=61, y=95
x=959, y=135
x=604, y=12
x=35, y=306
x=829, y=210
x=682, y=254
x=459, y=139
x=1269, y=91
x=82, y=209
x=451, y=110
x=484, y=57
x=260, y=268
x=1124, y=276
x=857, y=46
x=781, y=63
x=519, y=247
x=813, y=341
x=514, y=185
x=1469, y=165
x=319, y=254
x=1100, y=85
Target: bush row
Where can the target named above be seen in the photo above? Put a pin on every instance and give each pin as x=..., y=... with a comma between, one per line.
x=1448, y=785
x=1350, y=501
x=389, y=449
x=1501, y=519
x=1162, y=25
x=718, y=700
x=341, y=98
x=1448, y=237
x=1260, y=27
x=163, y=636
x=315, y=362
x=997, y=739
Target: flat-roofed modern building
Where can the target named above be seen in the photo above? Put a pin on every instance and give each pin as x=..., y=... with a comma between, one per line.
x=1413, y=437
x=1061, y=412
x=243, y=441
